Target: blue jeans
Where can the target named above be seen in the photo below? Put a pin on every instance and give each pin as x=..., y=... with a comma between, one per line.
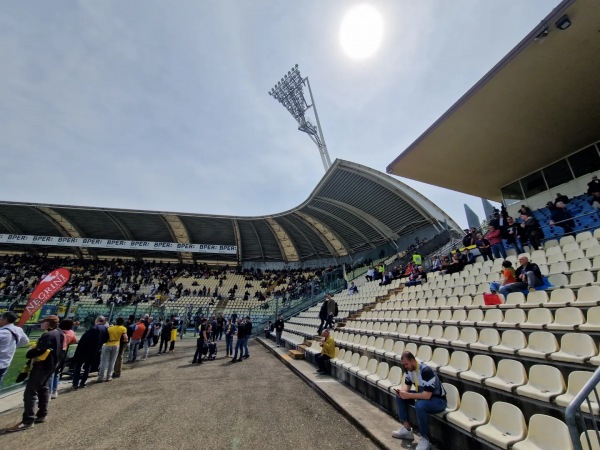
x=494, y=286
x=228, y=344
x=423, y=408
x=499, y=250
x=239, y=345
x=246, y=354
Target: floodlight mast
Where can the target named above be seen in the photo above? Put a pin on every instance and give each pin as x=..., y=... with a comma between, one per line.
x=289, y=92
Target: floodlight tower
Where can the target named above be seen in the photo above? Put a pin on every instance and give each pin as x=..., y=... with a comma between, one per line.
x=289, y=92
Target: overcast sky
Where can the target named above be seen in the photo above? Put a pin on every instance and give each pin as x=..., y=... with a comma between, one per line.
x=163, y=105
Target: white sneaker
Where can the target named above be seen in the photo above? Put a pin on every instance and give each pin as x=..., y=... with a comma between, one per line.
x=54, y=395
x=403, y=433
x=423, y=444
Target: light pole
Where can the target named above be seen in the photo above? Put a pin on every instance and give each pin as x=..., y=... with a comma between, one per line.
x=289, y=92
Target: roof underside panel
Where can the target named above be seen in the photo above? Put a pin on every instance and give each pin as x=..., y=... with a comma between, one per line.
x=308, y=244
x=92, y=223
x=209, y=230
x=28, y=220
x=351, y=237
x=268, y=240
x=251, y=245
x=371, y=197
x=352, y=219
x=144, y=227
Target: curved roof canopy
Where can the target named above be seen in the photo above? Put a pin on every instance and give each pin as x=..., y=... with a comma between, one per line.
x=540, y=103
x=353, y=208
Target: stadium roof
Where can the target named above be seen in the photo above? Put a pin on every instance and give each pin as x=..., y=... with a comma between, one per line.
x=353, y=208
x=540, y=103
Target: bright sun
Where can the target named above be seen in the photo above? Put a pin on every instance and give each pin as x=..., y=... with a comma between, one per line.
x=361, y=31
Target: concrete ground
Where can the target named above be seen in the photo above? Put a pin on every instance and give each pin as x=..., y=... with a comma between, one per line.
x=166, y=402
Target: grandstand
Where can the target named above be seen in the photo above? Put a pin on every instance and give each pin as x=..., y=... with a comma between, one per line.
x=510, y=370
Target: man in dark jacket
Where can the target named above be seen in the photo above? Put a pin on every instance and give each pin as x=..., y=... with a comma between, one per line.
x=528, y=276
x=241, y=338
x=45, y=357
x=279, y=326
x=87, y=352
x=165, y=336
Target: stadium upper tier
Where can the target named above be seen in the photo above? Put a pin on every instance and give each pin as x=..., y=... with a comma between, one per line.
x=352, y=209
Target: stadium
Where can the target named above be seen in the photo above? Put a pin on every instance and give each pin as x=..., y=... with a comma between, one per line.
x=520, y=373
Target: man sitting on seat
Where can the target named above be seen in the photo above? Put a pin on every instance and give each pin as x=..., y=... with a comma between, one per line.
x=429, y=398
x=528, y=276
x=327, y=352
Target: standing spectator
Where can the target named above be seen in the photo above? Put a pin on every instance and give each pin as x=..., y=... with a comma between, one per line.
x=248, y=326
x=470, y=238
x=532, y=230
x=157, y=331
x=220, y=327
x=331, y=310
x=327, y=352
x=513, y=236
x=239, y=344
x=429, y=398
x=124, y=345
x=525, y=211
x=175, y=324
x=370, y=274
x=165, y=336
x=484, y=247
x=417, y=259
x=561, y=198
x=136, y=338
x=66, y=326
x=86, y=353
x=279, y=326
x=45, y=357
x=495, y=237
x=110, y=350
x=230, y=330
x=11, y=337
x=380, y=271
x=201, y=341
x=322, y=316
x=149, y=333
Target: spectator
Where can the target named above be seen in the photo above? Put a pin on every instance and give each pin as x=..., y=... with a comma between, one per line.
x=561, y=198
x=417, y=259
x=157, y=331
x=467, y=257
x=554, y=231
x=201, y=341
x=165, y=336
x=45, y=357
x=352, y=289
x=417, y=278
x=279, y=326
x=593, y=186
x=239, y=344
x=565, y=219
x=331, y=310
x=494, y=236
x=86, y=353
x=532, y=230
x=124, y=345
x=136, y=338
x=11, y=337
x=508, y=276
x=66, y=326
x=469, y=239
x=436, y=265
x=248, y=327
x=148, y=335
x=484, y=247
x=111, y=349
x=527, y=275
x=230, y=330
x=595, y=200
x=525, y=211
x=513, y=236
x=370, y=274
x=327, y=352
x=429, y=398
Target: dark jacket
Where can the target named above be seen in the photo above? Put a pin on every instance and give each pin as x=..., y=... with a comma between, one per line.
x=241, y=331
x=53, y=341
x=530, y=267
x=323, y=311
x=165, y=333
x=90, y=343
x=248, y=326
x=279, y=324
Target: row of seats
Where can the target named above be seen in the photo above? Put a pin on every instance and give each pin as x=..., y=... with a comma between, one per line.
x=578, y=348
x=505, y=425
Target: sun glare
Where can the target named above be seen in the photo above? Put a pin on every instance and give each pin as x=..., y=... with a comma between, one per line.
x=361, y=31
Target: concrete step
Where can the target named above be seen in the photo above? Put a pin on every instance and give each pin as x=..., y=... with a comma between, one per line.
x=296, y=354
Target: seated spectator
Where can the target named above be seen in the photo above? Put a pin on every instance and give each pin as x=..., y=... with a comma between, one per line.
x=532, y=230
x=455, y=263
x=469, y=239
x=436, y=265
x=352, y=289
x=554, y=231
x=445, y=264
x=370, y=274
x=507, y=275
x=327, y=352
x=484, y=247
x=595, y=200
x=467, y=257
x=527, y=275
x=417, y=278
x=593, y=186
x=563, y=217
x=494, y=236
x=561, y=198
x=524, y=210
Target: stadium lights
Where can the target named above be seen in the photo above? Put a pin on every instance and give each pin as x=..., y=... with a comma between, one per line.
x=289, y=92
x=563, y=23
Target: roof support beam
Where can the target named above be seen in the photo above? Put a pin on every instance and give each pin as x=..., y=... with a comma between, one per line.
x=179, y=234
x=65, y=227
x=262, y=252
x=315, y=252
x=334, y=245
x=238, y=239
x=333, y=216
x=286, y=245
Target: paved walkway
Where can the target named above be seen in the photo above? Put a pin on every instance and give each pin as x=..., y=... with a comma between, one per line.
x=166, y=402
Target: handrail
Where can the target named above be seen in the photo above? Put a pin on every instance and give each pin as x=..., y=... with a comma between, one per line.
x=573, y=411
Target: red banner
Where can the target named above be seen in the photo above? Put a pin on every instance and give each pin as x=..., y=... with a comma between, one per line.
x=44, y=292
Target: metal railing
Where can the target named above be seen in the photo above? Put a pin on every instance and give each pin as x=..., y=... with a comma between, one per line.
x=574, y=416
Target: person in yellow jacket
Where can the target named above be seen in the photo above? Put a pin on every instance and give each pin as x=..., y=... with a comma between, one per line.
x=327, y=352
